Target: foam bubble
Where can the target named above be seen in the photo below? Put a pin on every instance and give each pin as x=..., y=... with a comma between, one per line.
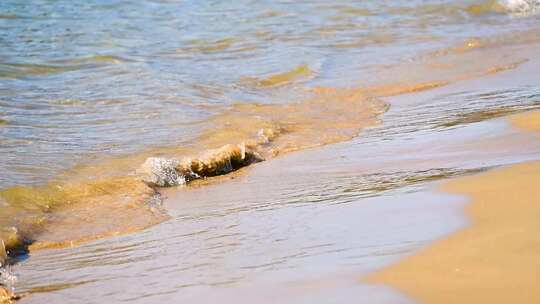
x=163, y=172
x=521, y=6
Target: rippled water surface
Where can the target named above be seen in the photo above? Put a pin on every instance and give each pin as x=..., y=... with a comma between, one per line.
x=90, y=90
x=87, y=79
x=302, y=228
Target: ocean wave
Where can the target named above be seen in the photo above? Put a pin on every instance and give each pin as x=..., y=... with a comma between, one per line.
x=76, y=209
x=250, y=133
x=164, y=172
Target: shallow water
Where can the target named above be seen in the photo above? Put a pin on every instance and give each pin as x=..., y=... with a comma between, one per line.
x=304, y=228
x=149, y=73
x=83, y=103
x=89, y=91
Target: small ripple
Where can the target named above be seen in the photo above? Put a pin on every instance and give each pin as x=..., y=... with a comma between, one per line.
x=455, y=110
x=24, y=70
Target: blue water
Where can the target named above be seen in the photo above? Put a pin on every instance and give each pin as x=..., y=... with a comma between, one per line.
x=83, y=80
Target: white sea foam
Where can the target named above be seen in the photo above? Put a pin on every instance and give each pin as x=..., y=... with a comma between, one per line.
x=163, y=172
x=521, y=6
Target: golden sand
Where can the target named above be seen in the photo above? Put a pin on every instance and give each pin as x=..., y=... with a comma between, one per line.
x=5, y=296
x=528, y=121
x=496, y=259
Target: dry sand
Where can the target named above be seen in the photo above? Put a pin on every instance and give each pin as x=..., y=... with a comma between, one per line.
x=497, y=258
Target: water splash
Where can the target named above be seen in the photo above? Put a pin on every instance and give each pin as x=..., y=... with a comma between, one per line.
x=7, y=278
x=524, y=7
x=164, y=172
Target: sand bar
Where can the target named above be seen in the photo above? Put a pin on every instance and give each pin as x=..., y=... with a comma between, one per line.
x=495, y=260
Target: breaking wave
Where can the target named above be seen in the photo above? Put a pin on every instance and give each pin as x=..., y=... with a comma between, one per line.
x=66, y=212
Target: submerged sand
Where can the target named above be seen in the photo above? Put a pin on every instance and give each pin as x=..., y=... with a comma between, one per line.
x=495, y=260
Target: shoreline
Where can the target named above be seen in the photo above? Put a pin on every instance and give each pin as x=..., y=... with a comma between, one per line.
x=242, y=135
x=358, y=108
x=259, y=152
x=252, y=205
x=494, y=260
x=416, y=90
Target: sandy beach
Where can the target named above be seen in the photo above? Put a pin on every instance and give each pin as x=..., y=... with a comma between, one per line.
x=495, y=259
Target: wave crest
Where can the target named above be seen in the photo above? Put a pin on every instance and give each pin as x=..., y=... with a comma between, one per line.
x=164, y=172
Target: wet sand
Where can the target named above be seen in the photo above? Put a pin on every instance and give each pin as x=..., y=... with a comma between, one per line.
x=495, y=260
x=527, y=121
